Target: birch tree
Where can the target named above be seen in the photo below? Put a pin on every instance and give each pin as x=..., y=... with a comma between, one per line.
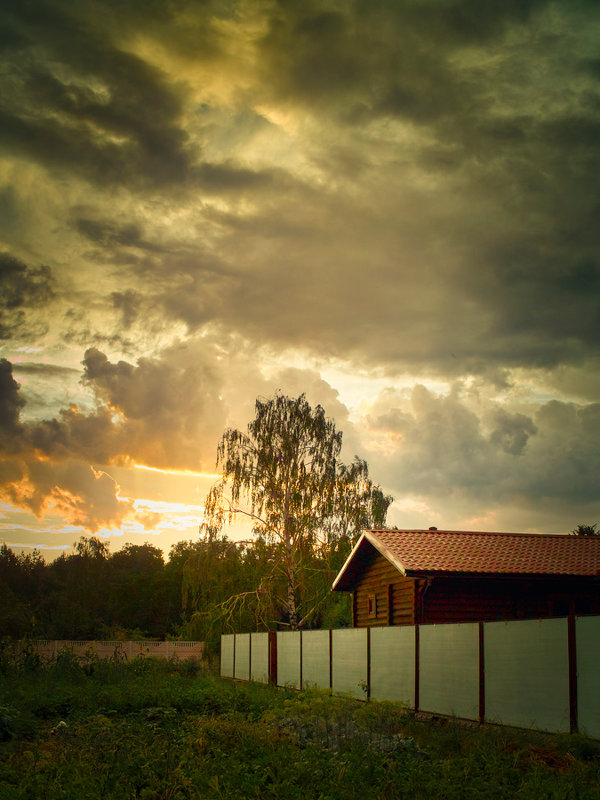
x=285, y=475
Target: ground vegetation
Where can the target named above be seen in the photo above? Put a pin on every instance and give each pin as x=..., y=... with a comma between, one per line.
x=157, y=730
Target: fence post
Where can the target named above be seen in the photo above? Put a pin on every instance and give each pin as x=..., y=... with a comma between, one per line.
x=572, y=646
x=273, y=658
x=481, y=674
x=368, y=662
x=300, y=659
x=330, y=660
x=416, y=668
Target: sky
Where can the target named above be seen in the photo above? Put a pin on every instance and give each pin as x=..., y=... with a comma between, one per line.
x=391, y=206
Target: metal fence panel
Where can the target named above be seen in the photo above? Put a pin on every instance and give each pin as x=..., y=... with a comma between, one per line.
x=227, y=655
x=242, y=656
x=449, y=669
x=588, y=683
x=393, y=664
x=349, y=661
x=315, y=659
x=288, y=658
x=259, y=668
x=527, y=673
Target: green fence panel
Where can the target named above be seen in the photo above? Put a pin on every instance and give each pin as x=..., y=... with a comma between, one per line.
x=242, y=656
x=259, y=652
x=315, y=659
x=288, y=658
x=393, y=664
x=587, y=631
x=527, y=673
x=449, y=669
x=349, y=661
x=227, y=655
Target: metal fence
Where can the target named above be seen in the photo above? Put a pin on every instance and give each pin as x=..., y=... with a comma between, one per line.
x=120, y=649
x=538, y=674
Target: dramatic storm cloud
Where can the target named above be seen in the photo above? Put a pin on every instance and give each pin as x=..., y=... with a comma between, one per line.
x=390, y=206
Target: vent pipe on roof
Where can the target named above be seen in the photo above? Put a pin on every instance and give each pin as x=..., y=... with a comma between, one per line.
x=433, y=528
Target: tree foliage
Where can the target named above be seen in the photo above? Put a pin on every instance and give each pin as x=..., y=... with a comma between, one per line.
x=286, y=476
x=586, y=530
x=90, y=593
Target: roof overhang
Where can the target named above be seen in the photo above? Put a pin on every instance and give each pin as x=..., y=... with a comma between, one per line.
x=346, y=577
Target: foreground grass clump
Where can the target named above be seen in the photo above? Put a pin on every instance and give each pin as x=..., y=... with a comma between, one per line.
x=162, y=730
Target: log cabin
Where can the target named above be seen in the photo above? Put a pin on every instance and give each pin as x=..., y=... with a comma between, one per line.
x=408, y=577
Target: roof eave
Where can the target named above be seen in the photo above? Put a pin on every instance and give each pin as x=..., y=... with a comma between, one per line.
x=418, y=573
x=381, y=548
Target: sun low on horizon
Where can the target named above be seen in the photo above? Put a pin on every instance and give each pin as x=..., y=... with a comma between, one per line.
x=388, y=207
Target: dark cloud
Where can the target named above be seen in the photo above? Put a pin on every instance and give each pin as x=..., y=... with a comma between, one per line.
x=99, y=110
x=22, y=288
x=50, y=371
x=112, y=235
x=11, y=402
x=129, y=304
x=383, y=58
x=480, y=205
x=75, y=101
x=512, y=432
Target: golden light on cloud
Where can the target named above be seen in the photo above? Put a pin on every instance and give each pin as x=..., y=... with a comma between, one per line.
x=185, y=472
x=164, y=507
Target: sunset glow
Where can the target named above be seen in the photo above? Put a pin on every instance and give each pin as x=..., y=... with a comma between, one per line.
x=178, y=472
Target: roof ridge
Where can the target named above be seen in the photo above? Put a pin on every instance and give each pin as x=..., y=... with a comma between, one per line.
x=483, y=533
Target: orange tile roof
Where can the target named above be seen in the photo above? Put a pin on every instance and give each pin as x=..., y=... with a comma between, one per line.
x=476, y=552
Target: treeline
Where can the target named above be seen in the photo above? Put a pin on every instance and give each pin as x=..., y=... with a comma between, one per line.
x=203, y=589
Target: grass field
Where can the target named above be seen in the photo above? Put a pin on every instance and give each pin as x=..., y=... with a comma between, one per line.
x=162, y=730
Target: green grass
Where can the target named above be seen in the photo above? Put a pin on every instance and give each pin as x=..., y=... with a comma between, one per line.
x=160, y=730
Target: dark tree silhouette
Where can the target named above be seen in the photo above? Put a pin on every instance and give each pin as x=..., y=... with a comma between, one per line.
x=586, y=530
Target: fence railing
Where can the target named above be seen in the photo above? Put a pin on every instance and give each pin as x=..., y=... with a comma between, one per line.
x=538, y=674
x=123, y=649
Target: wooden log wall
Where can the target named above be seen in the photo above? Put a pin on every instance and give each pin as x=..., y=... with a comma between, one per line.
x=393, y=594
x=488, y=599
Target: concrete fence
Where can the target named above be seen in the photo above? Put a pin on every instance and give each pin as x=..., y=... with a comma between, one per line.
x=538, y=674
x=111, y=649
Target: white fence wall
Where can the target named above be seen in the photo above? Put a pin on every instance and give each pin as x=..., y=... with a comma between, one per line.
x=540, y=674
